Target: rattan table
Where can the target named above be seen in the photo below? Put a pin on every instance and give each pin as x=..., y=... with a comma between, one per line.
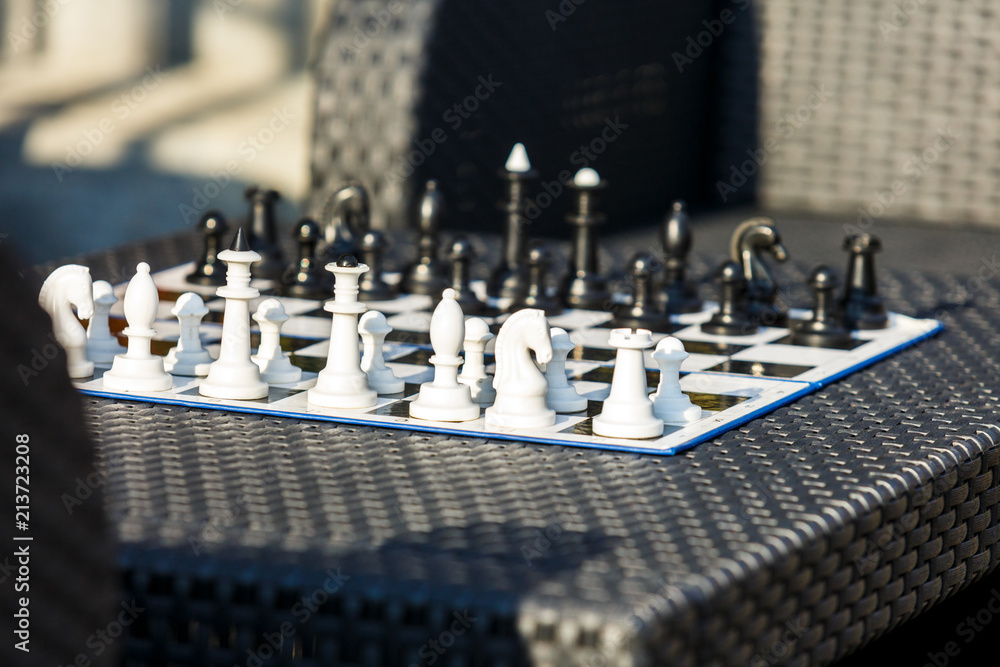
x=796, y=538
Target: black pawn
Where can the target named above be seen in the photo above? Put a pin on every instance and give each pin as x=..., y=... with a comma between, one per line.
x=372, y=287
x=347, y=261
x=461, y=256
x=510, y=277
x=732, y=318
x=536, y=295
x=209, y=270
x=861, y=305
x=263, y=233
x=426, y=274
x=678, y=294
x=584, y=287
x=643, y=312
x=306, y=278
x=823, y=329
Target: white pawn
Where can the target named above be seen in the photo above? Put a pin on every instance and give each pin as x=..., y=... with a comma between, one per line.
x=138, y=369
x=444, y=399
x=669, y=403
x=628, y=412
x=188, y=357
x=373, y=329
x=477, y=335
x=562, y=396
x=102, y=345
x=275, y=366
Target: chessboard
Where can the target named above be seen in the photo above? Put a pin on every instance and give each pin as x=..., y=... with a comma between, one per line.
x=733, y=379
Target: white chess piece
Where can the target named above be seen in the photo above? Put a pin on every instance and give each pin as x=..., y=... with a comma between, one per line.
x=233, y=375
x=188, y=357
x=138, y=369
x=68, y=287
x=562, y=396
x=520, y=386
x=477, y=335
x=444, y=399
x=102, y=345
x=518, y=161
x=669, y=403
x=628, y=412
x=373, y=329
x=342, y=383
x=275, y=366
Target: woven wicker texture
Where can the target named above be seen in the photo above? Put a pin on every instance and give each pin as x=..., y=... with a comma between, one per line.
x=803, y=534
x=398, y=105
x=909, y=89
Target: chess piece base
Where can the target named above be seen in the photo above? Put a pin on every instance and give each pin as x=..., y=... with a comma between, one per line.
x=350, y=392
x=187, y=364
x=675, y=409
x=137, y=375
x=242, y=383
x=565, y=400
x=541, y=419
x=616, y=427
x=444, y=404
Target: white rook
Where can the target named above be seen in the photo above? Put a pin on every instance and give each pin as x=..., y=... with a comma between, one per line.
x=628, y=412
x=342, y=383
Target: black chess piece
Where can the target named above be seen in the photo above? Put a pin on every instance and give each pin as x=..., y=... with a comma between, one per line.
x=461, y=256
x=536, y=295
x=752, y=241
x=677, y=294
x=510, y=277
x=346, y=217
x=208, y=269
x=584, y=287
x=262, y=234
x=861, y=306
x=306, y=278
x=823, y=329
x=347, y=261
x=372, y=287
x=426, y=274
x=643, y=312
x=732, y=318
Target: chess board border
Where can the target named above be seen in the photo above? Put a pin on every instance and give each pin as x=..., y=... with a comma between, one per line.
x=514, y=435
x=570, y=430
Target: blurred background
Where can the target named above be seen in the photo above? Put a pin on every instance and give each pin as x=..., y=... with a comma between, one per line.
x=127, y=119
x=116, y=114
